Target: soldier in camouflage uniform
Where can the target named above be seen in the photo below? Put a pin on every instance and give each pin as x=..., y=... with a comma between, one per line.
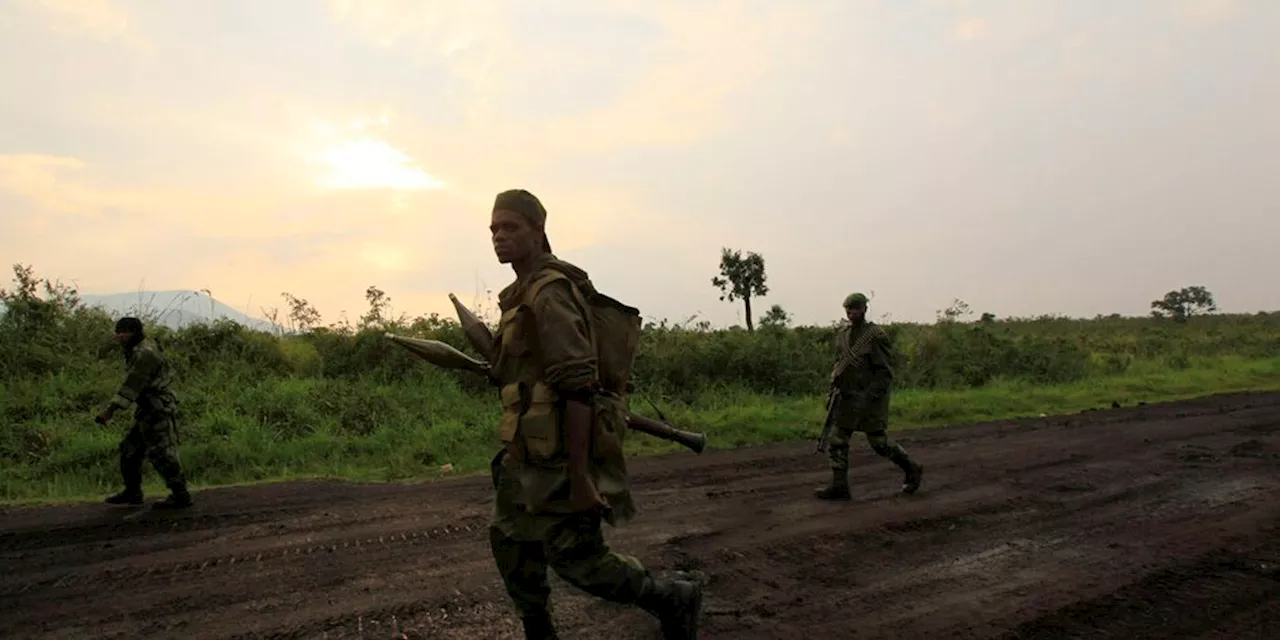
x=561, y=471
x=863, y=375
x=154, y=435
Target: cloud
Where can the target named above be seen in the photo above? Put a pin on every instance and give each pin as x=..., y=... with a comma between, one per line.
x=37, y=177
x=1205, y=13
x=386, y=258
x=321, y=148
x=971, y=29
x=675, y=92
x=98, y=19
x=438, y=28
x=69, y=186
x=229, y=241
x=327, y=279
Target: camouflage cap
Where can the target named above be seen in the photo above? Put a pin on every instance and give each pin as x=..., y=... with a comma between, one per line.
x=855, y=300
x=527, y=205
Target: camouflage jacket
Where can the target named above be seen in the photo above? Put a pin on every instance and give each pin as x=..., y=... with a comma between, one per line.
x=148, y=383
x=864, y=384
x=544, y=348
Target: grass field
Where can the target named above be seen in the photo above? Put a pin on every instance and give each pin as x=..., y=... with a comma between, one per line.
x=341, y=402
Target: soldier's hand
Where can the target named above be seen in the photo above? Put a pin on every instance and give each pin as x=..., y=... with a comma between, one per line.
x=104, y=417
x=583, y=495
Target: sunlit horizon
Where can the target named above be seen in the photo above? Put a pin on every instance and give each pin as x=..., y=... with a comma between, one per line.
x=1050, y=158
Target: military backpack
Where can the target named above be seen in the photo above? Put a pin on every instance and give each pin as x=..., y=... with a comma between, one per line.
x=614, y=326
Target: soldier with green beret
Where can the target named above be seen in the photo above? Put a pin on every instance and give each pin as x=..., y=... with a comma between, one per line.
x=863, y=376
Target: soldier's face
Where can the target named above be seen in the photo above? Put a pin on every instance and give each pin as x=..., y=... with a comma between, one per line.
x=123, y=337
x=514, y=239
x=855, y=313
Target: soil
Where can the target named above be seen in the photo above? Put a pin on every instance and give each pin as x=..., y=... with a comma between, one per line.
x=1156, y=521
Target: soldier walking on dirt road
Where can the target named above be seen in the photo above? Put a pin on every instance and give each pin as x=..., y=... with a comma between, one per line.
x=561, y=471
x=862, y=376
x=154, y=434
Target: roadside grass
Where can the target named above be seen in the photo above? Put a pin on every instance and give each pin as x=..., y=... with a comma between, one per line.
x=399, y=438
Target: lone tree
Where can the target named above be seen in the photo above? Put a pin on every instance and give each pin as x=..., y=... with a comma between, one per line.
x=1184, y=303
x=741, y=278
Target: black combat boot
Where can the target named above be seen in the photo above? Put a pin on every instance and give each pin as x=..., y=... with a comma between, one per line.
x=676, y=603
x=913, y=474
x=838, y=489
x=131, y=495
x=911, y=470
x=131, y=473
x=179, y=497
x=538, y=626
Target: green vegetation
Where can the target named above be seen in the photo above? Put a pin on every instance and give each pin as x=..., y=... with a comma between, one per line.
x=339, y=401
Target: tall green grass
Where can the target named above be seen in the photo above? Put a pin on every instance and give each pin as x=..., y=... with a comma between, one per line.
x=342, y=402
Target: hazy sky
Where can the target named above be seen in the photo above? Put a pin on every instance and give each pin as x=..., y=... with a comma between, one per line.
x=1077, y=157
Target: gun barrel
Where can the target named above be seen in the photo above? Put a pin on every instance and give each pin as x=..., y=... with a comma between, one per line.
x=694, y=441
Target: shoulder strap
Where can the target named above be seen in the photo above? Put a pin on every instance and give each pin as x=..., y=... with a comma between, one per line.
x=549, y=275
x=540, y=280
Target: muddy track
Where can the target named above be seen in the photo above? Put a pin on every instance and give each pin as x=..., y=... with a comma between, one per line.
x=1160, y=521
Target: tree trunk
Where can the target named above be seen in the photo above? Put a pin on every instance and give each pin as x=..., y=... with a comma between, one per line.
x=747, y=301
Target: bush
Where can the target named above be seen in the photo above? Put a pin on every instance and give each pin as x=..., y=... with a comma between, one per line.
x=58, y=365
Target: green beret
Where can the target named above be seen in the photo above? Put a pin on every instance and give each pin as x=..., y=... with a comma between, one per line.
x=527, y=205
x=855, y=300
x=524, y=203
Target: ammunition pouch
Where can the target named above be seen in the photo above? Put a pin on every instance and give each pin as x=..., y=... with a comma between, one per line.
x=533, y=425
x=512, y=407
x=532, y=422
x=540, y=425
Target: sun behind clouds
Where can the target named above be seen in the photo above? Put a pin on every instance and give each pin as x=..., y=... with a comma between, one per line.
x=364, y=161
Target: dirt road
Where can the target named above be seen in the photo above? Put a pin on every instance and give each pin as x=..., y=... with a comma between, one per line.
x=1144, y=522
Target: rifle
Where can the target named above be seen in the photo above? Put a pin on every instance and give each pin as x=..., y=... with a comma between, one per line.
x=833, y=406
x=445, y=355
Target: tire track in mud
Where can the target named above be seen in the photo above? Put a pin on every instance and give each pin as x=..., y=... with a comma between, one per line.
x=347, y=544
x=1022, y=527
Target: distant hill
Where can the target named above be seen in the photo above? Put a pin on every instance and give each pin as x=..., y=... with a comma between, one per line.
x=174, y=309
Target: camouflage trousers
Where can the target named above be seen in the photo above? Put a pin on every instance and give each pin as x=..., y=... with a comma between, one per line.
x=576, y=550
x=525, y=545
x=153, y=437
x=877, y=438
